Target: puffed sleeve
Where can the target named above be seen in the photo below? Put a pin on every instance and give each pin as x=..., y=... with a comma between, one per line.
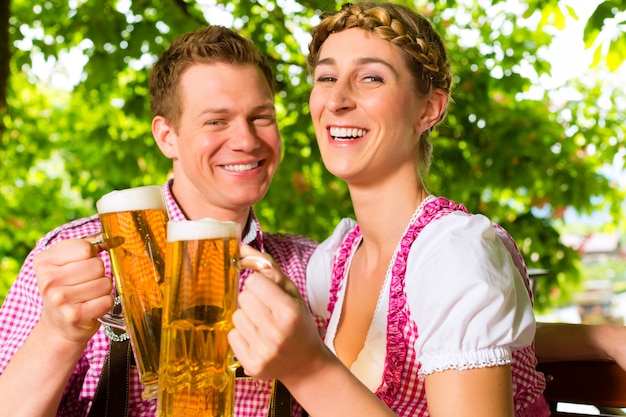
x=319, y=269
x=468, y=299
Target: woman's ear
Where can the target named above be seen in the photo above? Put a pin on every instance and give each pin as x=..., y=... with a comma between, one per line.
x=165, y=137
x=433, y=110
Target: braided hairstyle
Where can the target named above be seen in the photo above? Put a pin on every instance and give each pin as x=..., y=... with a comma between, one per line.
x=425, y=52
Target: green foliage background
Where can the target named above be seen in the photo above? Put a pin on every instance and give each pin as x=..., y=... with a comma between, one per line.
x=519, y=161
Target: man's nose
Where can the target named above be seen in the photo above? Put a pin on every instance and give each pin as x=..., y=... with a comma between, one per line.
x=244, y=137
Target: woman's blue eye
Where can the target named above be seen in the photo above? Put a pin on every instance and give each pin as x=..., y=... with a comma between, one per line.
x=373, y=78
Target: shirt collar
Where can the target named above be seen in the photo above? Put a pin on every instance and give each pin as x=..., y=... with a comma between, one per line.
x=252, y=234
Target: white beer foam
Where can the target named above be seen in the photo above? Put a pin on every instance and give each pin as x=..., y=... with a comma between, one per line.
x=139, y=198
x=206, y=228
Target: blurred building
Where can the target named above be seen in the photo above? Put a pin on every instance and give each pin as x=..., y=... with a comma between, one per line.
x=596, y=302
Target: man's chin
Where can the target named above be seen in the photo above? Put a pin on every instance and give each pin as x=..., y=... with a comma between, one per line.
x=249, y=199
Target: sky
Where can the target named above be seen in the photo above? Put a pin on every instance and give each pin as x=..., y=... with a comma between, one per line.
x=570, y=59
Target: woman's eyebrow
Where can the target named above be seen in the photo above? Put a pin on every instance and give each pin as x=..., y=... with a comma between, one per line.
x=360, y=61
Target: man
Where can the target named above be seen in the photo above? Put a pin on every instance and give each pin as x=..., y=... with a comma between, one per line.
x=212, y=101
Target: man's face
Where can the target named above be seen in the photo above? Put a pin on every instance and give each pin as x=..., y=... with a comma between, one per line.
x=227, y=146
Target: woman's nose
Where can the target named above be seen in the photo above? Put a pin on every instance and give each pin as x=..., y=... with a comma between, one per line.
x=341, y=97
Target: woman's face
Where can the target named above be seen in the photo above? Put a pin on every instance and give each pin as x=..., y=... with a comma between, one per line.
x=365, y=111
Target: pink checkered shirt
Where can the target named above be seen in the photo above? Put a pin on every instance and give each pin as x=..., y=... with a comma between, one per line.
x=22, y=308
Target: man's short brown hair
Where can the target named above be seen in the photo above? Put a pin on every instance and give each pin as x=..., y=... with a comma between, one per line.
x=211, y=44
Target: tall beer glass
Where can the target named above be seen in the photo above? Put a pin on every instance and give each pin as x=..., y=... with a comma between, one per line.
x=134, y=227
x=197, y=372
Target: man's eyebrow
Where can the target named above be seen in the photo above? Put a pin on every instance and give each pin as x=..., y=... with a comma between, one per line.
x=269, y=106
x=266, y=106
x=215, y=110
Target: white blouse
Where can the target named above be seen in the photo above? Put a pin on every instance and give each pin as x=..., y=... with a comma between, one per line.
x=464, y=293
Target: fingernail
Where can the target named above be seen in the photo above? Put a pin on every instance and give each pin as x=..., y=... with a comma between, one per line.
x=263, y=264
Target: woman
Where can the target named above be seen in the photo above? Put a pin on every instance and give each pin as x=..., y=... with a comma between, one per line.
x=428, y=306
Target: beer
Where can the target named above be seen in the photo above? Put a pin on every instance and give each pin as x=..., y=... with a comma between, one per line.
x=134, y=227
x=196, y=376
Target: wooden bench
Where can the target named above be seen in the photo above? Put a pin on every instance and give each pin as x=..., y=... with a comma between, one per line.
x=596, y=383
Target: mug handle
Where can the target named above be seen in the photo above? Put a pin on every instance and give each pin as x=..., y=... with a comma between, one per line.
x=113, y=320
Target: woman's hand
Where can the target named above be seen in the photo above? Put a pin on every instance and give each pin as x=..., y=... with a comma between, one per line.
x=275, y=337
x=274, y=334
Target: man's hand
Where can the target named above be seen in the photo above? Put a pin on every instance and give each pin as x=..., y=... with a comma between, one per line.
x=73, y=287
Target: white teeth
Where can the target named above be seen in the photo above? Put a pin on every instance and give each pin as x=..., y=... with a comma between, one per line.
x=239, y=168
x=346, y=133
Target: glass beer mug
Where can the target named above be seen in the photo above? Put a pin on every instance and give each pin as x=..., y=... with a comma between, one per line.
x=197, y=369
x=134, y=227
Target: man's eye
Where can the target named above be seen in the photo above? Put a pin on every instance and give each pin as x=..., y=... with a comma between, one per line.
x=214, y=122
x=326, y=79
x=264, y=120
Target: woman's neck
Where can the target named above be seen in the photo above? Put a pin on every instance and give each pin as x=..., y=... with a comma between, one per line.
x=383, y=216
